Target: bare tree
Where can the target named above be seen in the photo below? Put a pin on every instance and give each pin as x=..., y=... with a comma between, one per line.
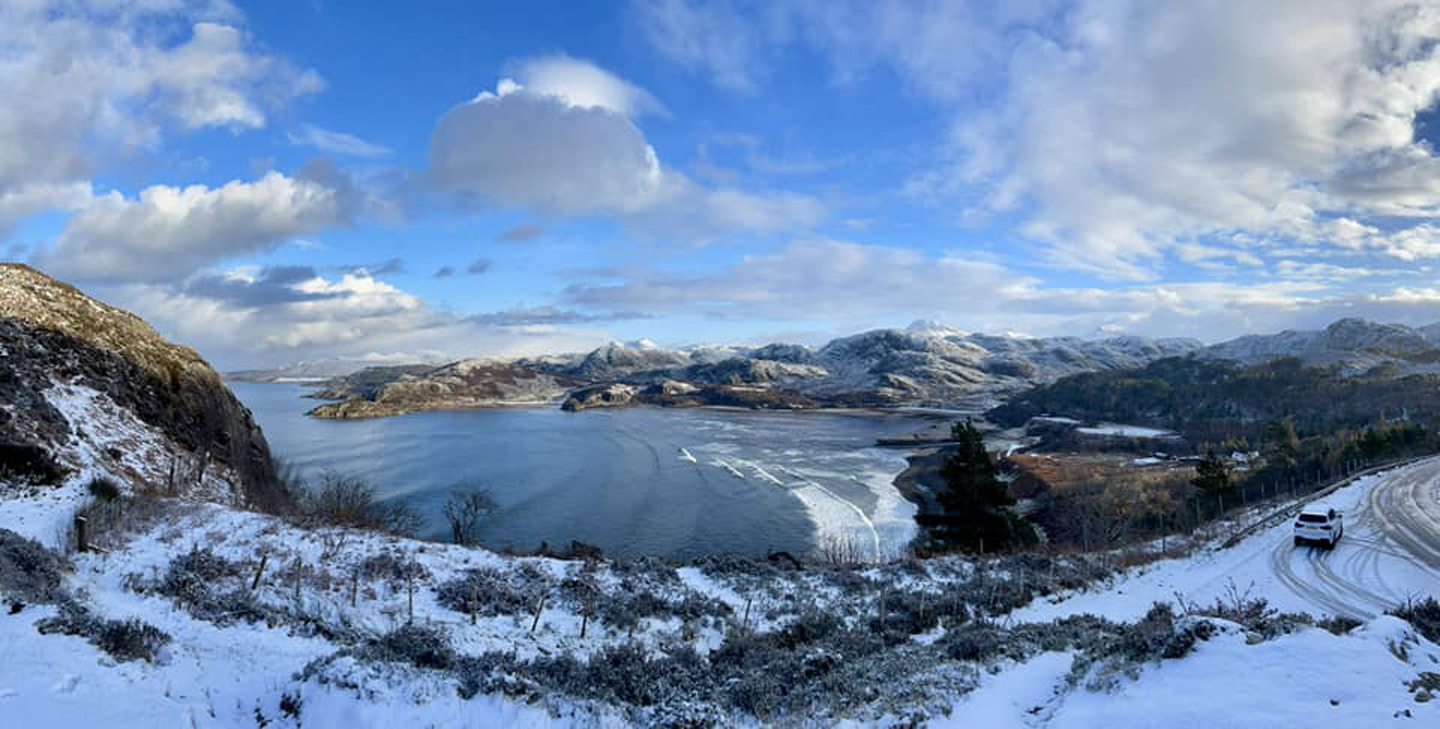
x=465, y=510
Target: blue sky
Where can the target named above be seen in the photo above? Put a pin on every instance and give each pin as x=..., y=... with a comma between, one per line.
x=282, y=181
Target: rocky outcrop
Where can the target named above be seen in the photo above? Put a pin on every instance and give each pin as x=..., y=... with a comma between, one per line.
x=674, y=394
x=467, y=384
x=600, y=396
x=68, y=358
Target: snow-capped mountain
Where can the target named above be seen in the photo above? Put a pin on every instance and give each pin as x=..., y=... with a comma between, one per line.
x=924, y=364
x=1357, y=346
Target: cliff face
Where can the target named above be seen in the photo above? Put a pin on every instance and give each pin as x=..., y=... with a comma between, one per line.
x=76, y=375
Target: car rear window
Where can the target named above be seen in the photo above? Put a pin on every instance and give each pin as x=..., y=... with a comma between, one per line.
x=1314, y=518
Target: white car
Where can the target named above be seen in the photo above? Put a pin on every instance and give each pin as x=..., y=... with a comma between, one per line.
x=1319, y=525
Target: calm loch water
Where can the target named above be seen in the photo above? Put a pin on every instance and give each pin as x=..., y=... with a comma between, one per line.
x=640, y=481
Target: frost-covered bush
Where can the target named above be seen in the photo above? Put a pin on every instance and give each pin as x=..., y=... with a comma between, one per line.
x=394, y=568
x=904, y=613
x=123, y=640
x=978, y=642
x=1253, y=613
x=486, y=591
x=130, y=640
x=419, y=646
x=1423, y=614
x=1123, y=648
x=1338, y=624
x=211, y=588
x=625, y=608
x=192, y=577
x=30, y=573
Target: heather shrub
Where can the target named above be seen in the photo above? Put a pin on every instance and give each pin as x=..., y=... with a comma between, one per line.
x=30, y=573
x=1423, y=614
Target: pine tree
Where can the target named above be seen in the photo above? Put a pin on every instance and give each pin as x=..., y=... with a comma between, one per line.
x=974, y=504
x=1212, y=476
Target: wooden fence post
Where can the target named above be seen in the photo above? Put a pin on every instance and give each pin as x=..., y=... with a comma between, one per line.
x=255, y=583
x=539, y=608
x=81, y=544
x=410, y=592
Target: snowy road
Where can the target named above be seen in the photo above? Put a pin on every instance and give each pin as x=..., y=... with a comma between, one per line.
x=1392, y=531
x=1390, y=554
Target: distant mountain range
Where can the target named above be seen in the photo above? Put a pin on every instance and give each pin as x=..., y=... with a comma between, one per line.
x=1356, y=346
x=922, y=365
x=925, y=364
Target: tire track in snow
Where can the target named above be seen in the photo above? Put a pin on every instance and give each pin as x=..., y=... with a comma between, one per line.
x=1399, y=518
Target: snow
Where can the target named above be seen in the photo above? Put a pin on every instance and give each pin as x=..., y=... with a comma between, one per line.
x=100, y=429
x=1360, y=578
x=1016, y=698
x=222, y=676
x=1310, y=678
x=1125, y=431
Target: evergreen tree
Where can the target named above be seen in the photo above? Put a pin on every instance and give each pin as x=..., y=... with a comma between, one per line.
x=1212, y=475
x=974, y=504
x=1284, y=444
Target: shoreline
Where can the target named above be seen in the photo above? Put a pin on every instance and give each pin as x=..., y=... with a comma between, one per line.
x=917, y=482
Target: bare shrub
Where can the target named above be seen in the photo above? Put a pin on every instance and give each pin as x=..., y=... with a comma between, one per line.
x=393, y=567
x=1423, y=614
x=346, y=501
x=103, y=488
x=30, y=464
x=464, y=512
x=109, y=523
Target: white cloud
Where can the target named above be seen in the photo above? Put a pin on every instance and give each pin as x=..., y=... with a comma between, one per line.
x=89, y=82
x=1142, y=125
x=169, y=232
x=571, y=147
x=842, y=285
x=335, y=142
x=295, y=314
x=1117, y=131
x=582, y=85
x=515, y=148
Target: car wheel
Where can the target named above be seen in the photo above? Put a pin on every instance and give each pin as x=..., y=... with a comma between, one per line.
x=1299, y=542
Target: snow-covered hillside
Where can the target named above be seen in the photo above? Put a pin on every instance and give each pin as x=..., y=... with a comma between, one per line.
x=1357, y=346
x=280, y=625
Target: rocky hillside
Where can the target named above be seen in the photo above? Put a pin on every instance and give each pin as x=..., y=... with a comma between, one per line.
x=88, y=388
x=1355, y=346
x=471, y=383
x=922, y=365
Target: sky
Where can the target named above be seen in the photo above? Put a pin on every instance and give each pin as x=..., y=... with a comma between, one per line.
x=282, y=181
